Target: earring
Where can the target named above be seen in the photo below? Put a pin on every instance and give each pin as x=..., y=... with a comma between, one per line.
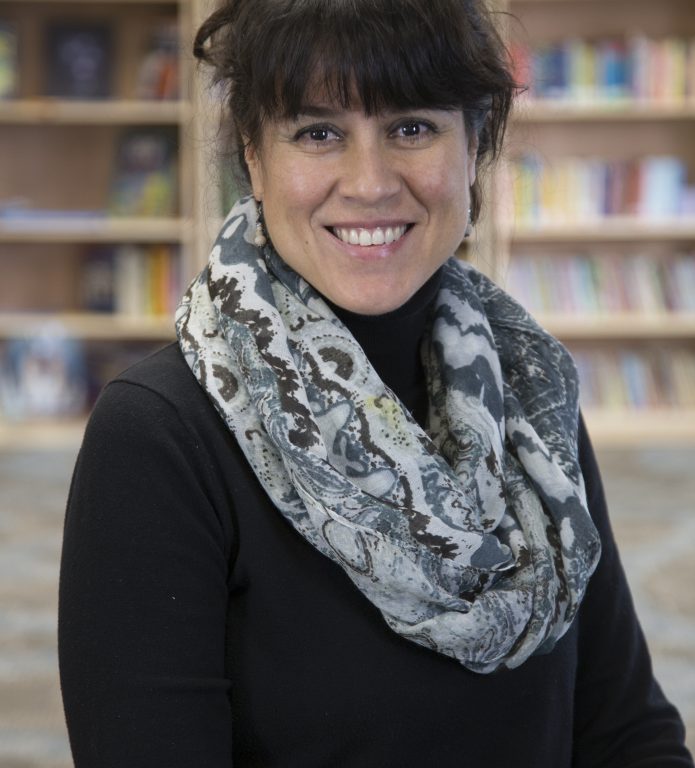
x=260, y=239
x=469, y=225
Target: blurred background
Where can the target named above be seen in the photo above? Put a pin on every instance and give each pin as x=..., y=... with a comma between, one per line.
x=112, y=184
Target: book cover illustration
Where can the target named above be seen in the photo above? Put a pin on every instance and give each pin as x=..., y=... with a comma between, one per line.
x=145, y=176
x=79, y=60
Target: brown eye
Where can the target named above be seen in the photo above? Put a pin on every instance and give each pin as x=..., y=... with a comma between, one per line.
x=413, y=130
x=410, y=130
x=318, y=134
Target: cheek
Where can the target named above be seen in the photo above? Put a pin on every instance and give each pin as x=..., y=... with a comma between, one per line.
x=294, y=191
x=445, y=191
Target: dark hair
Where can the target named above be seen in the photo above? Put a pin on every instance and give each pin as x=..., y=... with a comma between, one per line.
x=400, y=54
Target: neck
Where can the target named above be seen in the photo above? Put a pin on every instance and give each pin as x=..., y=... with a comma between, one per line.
x=392, y=343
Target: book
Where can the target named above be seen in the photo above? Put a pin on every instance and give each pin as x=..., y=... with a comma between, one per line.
x=146, y=280
x=9, y=66
x=78, y=61
x=97, y=288
x=145, y=177
x=134, y=280
x=158, y=74
x=43, y=376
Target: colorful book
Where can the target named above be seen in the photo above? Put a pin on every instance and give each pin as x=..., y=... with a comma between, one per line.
x=611, y=69
x=578, y=189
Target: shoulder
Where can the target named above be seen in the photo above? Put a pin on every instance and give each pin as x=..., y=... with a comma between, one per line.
x=155, y=444
x=155, y=412
x=158, y=391
x=164, y=373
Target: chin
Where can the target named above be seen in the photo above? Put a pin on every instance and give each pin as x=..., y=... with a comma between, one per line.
x=367, y=304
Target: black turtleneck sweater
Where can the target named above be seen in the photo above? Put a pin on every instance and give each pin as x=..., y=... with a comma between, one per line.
x=198, y=630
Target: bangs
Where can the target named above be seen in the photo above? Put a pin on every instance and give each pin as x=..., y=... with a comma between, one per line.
x=368, y=54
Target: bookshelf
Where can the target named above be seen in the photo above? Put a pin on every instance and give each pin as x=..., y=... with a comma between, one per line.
x=96, y=190
x=609, y=103
x=47, y=142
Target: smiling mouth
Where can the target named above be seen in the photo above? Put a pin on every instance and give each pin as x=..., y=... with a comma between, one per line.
x=368, y=237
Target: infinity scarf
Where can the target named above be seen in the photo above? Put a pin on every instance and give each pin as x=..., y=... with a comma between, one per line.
x=472, y=538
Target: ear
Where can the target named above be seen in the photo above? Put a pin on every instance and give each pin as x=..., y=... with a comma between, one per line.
x=472, y=158
x=253, y=162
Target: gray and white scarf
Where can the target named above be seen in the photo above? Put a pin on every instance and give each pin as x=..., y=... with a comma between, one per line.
x=472, y=538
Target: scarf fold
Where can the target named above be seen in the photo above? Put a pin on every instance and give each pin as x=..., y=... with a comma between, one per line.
x=472, y=538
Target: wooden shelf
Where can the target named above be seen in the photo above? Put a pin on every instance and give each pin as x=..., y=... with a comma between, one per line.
x=626, y=428
x=41, y=434
x=613, y=229
x=629, y=325
x=95, y=326
x=94, y=230
x=564, y=111
x=93, y=112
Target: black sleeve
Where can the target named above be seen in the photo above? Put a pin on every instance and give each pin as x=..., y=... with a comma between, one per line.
x=622, y=719
x=143, y=593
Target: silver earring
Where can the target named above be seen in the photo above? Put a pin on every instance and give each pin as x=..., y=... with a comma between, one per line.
x=469, y=225
x=260, y=239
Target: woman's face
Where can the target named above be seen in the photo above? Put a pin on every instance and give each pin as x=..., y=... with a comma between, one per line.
x=365, y=208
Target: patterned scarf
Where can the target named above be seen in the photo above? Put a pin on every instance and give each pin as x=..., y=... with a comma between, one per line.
x=472, y=538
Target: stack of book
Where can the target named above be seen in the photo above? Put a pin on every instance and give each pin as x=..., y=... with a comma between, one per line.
x=578, y=189
x=603, y=282
x=636, y=68
x=136, y=280
x=642, y=378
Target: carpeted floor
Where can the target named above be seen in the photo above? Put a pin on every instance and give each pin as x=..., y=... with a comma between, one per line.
x=652, y=498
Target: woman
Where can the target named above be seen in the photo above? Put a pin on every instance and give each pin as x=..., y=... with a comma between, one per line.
x=352, y=517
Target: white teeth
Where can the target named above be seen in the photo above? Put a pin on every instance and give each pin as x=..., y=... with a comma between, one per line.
x=367, y=237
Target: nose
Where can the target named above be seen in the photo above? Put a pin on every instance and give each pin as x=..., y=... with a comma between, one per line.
x=370, y=174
